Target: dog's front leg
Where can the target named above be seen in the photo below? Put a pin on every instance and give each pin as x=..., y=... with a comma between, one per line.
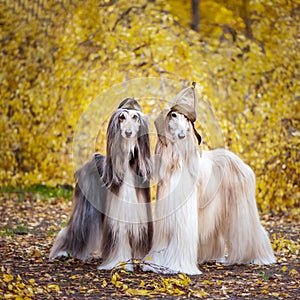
x=116, y=246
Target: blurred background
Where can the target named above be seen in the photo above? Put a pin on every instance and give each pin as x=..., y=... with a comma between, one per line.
x=57, y=57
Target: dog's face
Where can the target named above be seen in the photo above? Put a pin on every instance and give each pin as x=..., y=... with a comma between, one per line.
x=178, y=126
x=129, y=121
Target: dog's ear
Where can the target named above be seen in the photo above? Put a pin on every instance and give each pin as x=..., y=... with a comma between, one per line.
x=160, y=125
x=112, y=131
x=145, y=163
x=113, y=171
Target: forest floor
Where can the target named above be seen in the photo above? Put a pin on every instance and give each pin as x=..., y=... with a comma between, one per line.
x=30, y=221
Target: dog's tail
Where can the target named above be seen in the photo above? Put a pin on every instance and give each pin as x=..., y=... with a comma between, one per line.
x=81, y=238
x=247, y=240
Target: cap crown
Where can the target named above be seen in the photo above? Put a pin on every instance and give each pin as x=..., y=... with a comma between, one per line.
x=186, y=103
x=130, y=103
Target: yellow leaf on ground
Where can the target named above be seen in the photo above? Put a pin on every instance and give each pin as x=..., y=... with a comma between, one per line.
x=8, y=277
x=142, y=283
x=53, y=287
x=294, y=272
x=104, y=283
x=284, y=268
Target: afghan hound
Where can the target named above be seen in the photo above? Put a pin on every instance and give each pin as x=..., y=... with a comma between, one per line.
x=112, y=212
x=175, y=238
x=206, y=207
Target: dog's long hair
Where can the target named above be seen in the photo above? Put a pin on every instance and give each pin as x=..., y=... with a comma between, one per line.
x=127, y=228
x=136, y=149
x=112, y=215
x=229, y=224
x=175, y=238
x=224, y=223
x=82, y=235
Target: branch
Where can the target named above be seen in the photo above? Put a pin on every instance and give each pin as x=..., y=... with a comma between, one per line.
x=125, y=13
x=160, y=70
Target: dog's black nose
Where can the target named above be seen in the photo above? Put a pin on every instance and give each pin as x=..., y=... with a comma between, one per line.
x=128, y=132
x=181, y=135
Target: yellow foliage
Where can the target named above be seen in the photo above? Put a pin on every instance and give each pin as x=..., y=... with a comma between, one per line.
x=159, y=285
x=56, y=61
x=18, y=288
x=8, y=277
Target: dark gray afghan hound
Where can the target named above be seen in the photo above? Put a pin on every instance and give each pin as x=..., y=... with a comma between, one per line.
x=112, y=214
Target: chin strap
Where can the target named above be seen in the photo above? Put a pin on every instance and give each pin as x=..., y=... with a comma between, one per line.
x=198, y=136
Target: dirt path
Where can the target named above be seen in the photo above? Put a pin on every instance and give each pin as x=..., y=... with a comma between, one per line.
x=28, y=226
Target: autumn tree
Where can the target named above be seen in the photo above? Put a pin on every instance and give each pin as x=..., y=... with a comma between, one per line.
x=58, y=56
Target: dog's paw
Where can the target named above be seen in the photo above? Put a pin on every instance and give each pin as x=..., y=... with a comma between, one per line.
x=263, y=261
x=148, y=268
x=194, y=271
x=106, y=267
x=221, y=260
x=128, y=266
x=60, y=254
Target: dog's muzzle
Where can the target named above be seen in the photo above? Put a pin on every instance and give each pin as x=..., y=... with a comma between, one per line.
x=181, y=135
x=128, y=132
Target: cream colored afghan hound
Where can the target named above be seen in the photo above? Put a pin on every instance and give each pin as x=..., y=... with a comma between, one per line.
x=175, y=238
x=112, y=213
x=205, y=208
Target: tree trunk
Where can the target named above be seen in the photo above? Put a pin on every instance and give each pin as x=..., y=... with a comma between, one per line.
x=246, y=18
x=195, y=15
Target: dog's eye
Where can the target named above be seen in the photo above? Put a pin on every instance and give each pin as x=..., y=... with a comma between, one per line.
x=122, y=117
x=135, y=117
x=174, y=115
